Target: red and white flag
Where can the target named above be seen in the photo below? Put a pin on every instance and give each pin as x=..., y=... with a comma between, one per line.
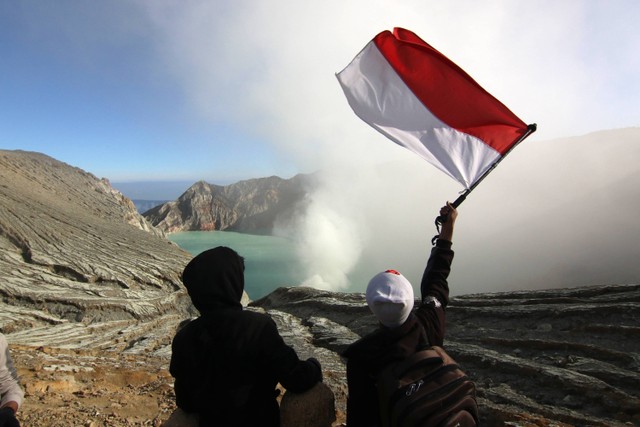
x=421, y=100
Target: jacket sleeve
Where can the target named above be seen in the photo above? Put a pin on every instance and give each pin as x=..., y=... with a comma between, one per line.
x=434, y=290
x=10, y=390
x=294, y=374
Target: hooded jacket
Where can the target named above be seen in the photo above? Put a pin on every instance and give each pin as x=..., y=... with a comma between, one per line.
x=424, y=327
x=227, y=362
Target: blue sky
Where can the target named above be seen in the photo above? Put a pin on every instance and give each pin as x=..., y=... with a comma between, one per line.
x=222, y=91
x=184, y=90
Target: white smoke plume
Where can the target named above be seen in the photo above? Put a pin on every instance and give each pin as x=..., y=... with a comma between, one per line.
x=554, y=213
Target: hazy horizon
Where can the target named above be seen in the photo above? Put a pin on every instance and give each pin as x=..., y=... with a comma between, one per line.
x=152, y=190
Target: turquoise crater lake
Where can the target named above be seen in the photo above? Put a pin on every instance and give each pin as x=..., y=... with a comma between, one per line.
x=269, y=260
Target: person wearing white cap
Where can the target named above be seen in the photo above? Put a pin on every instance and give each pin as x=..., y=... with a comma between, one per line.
x=402, y=330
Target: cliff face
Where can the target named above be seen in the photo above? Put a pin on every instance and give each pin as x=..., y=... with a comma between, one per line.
x=248, y=206
x=76, y=258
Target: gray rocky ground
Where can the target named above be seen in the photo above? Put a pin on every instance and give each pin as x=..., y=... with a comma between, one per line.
x=88, y=288
x=544, y=358
x=554, y=357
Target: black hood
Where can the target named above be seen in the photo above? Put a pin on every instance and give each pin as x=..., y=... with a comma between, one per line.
x=215, y=279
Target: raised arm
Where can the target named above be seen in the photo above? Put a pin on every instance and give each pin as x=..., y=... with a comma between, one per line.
x=434, y=287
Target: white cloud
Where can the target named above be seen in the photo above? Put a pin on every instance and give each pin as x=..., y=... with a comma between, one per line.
x=270, y=66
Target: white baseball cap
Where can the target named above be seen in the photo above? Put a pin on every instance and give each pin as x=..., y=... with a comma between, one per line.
x=390, y=297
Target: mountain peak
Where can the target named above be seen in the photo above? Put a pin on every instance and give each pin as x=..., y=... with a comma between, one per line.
x=251, y=205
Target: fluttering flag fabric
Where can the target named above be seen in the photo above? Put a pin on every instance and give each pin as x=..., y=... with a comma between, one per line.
x=421, y=100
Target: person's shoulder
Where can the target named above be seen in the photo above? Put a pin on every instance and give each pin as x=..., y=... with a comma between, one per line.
x=189, y=329
x=366, y=345
x=256, y=317
x=244, y=318
x=384, y=340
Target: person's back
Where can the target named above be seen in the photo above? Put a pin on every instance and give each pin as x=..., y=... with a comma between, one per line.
x=227, y=362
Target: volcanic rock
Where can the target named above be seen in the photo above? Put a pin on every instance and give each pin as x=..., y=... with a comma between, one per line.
x=313, y=408
x=80, y=267
x=551, y=357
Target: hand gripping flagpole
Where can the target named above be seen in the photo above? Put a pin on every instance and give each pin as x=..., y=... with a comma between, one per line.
x=441, y=219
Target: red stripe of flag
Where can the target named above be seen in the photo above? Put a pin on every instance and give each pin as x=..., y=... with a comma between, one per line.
x=448, y=91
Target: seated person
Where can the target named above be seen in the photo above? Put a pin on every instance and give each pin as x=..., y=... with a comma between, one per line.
x=227, y=362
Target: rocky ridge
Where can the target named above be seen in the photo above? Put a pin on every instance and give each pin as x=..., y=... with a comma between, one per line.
x=80, y=267
x=251, y=206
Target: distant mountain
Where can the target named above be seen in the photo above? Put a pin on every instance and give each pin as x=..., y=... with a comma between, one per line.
x=247, y=206
x=144, y=205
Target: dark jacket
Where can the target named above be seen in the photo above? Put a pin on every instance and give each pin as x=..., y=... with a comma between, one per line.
x=425, y=326
x=227, y=362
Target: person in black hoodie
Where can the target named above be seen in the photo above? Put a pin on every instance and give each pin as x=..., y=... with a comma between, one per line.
x=227, y=362
x=403, y=330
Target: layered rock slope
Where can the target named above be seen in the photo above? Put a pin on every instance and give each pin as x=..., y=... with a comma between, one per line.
x=565, y=357
x=251, y=206
x=79, y=266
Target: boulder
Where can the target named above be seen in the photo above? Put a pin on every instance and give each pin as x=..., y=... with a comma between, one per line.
x=180, y=418
x=313, y=408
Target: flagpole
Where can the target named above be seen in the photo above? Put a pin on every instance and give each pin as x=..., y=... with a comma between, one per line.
x=442, y=219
